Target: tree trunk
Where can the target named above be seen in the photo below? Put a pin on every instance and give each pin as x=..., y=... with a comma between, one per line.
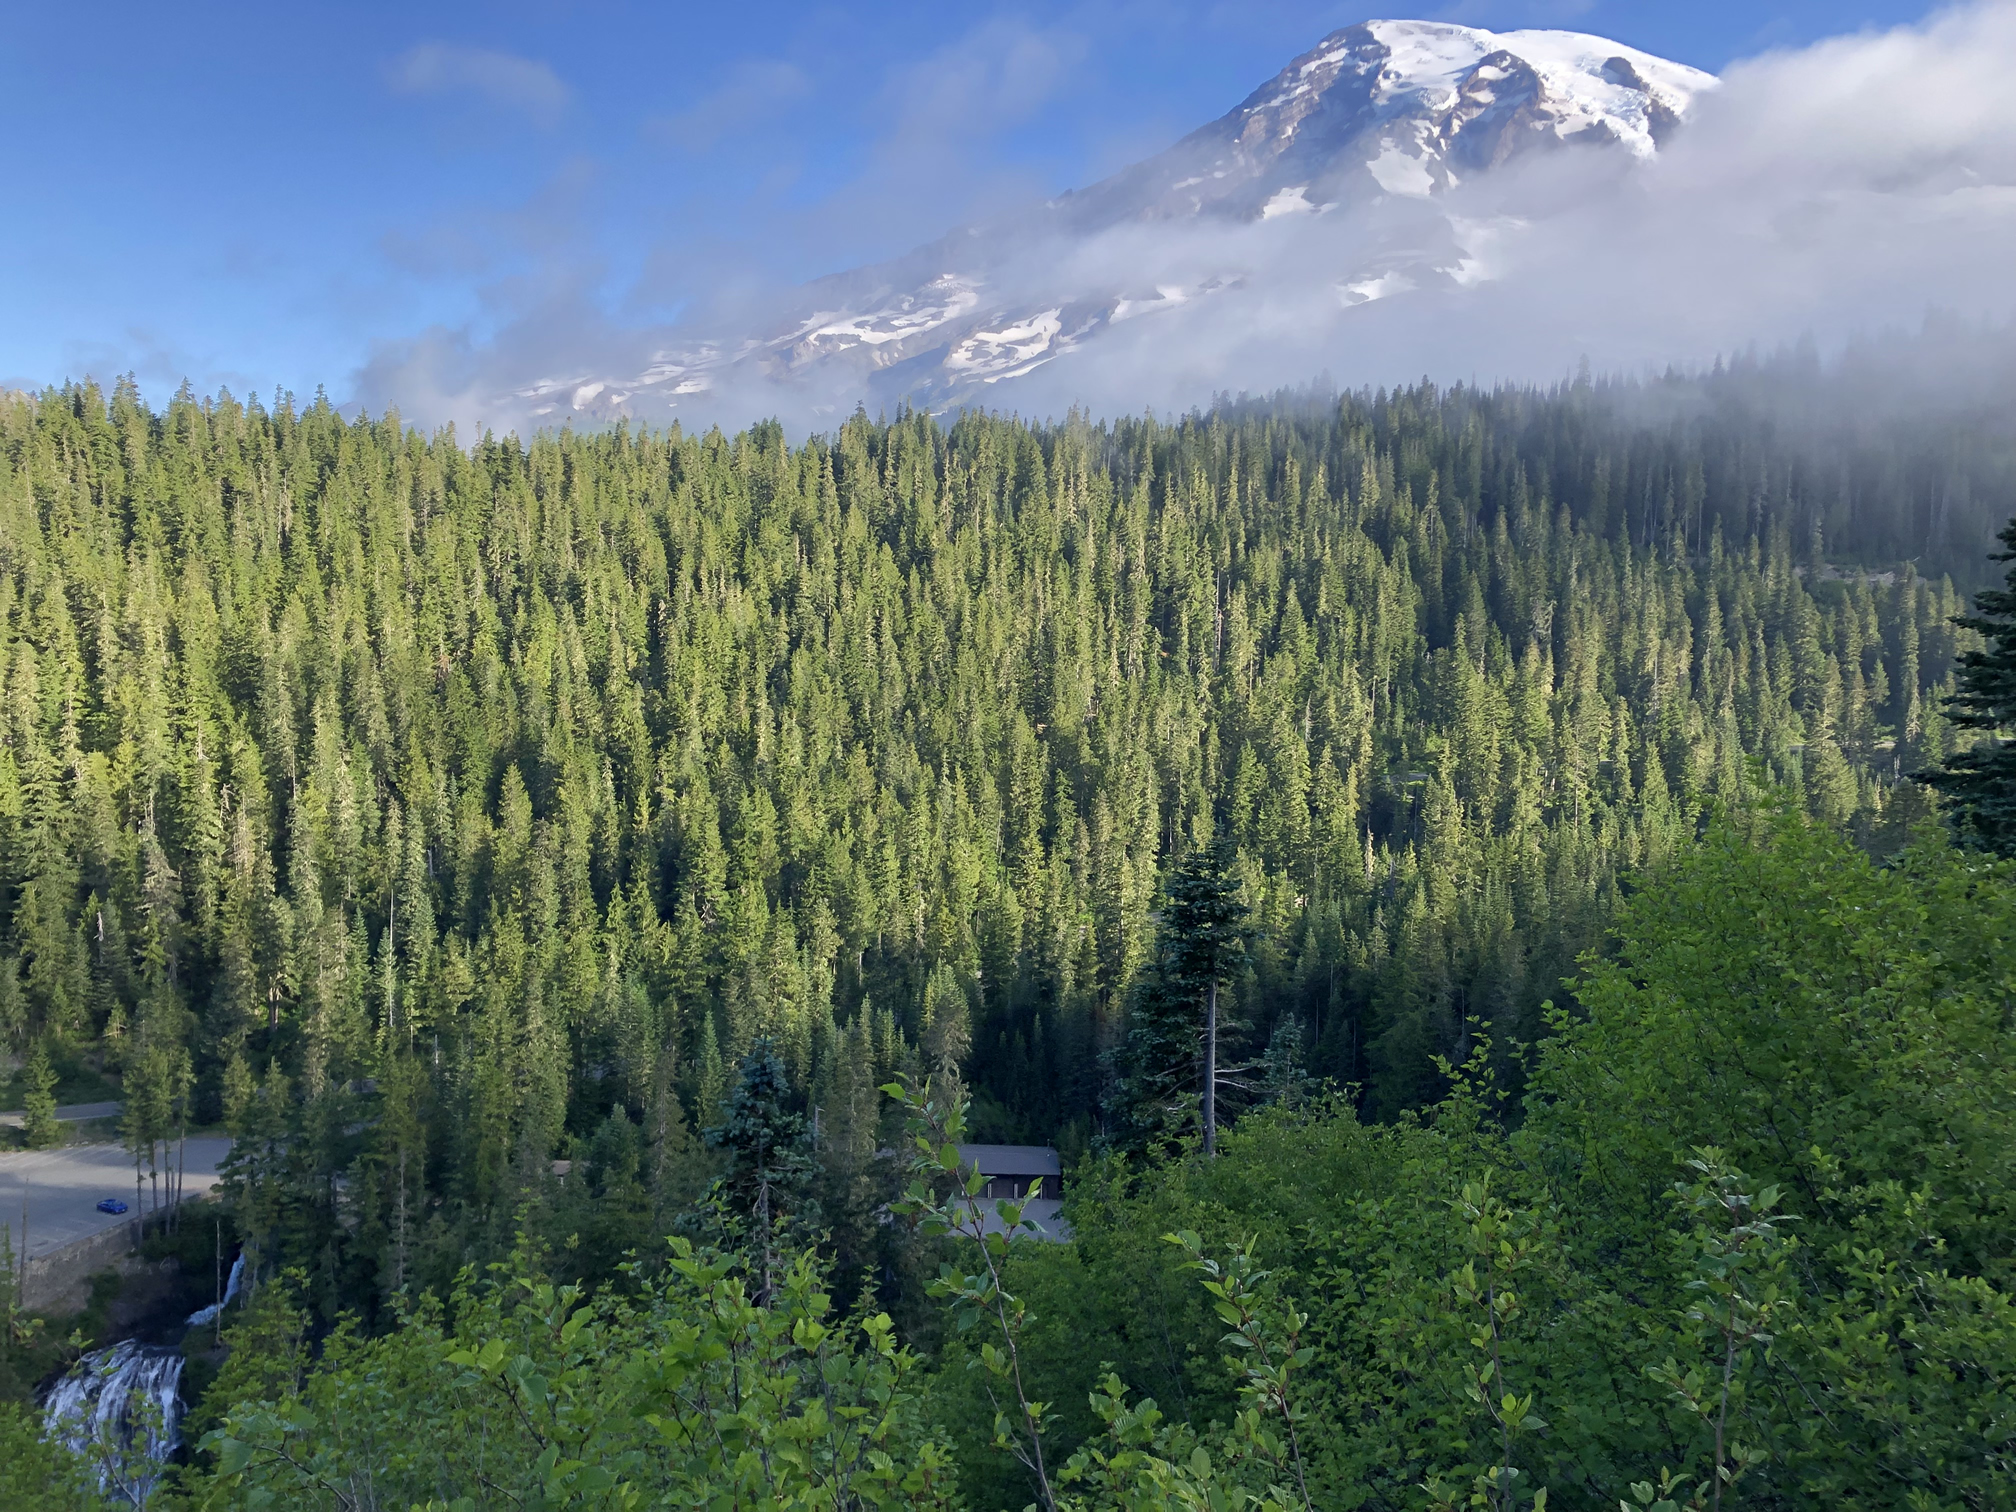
x=763, y=1221
x=399, y=1266
x=1211, y=1073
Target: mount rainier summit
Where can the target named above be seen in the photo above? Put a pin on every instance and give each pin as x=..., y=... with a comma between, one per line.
x=1347, y=172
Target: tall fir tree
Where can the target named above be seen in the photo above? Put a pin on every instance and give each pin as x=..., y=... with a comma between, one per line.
x=1980, y=783
x=765, y=1142
x=1176, y=1037
x=38, y=1121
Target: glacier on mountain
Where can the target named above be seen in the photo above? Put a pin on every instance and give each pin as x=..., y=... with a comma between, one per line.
x=1520, y=202
x=1374, y=114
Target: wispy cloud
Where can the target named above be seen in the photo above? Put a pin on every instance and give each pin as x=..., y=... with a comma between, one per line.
x=160, y=364
x=1830, y=189
x=919, y=176
x=934, y=165
x=999, y=74
x=754, y=89
x=521, y=84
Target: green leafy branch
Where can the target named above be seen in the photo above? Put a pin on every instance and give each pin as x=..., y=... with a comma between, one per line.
x=1739, y=1261
x=1269, y=1352
x=1503, y=1244
x=944, y=1199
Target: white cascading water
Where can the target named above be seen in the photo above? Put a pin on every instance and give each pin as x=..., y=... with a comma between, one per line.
x=121, y=1409
x=209, y=1314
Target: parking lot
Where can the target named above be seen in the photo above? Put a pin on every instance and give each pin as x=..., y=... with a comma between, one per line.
x=60, y=1188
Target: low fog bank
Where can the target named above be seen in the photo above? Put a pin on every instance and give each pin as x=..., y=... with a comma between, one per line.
x=1913, y=435
x=1899, y=448
x=1826, y=192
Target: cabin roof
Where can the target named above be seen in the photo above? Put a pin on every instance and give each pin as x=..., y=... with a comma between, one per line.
x=1011, y=1160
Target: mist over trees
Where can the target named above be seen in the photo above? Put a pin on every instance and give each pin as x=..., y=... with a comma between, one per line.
x=1363, y=832
x=426, y=814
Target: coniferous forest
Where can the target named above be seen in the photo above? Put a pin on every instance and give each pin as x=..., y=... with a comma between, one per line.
x=528, y=852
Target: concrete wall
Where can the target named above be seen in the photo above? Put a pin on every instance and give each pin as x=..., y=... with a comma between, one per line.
x=60, y=1281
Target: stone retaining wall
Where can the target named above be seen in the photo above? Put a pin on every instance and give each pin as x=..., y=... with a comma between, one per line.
x=59, y=1282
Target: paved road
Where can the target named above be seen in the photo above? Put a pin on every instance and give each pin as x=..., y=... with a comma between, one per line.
x=66, y=1113
x=62, y=1187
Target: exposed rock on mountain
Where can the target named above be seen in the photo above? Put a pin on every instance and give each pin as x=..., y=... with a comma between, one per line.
x=1374, y=116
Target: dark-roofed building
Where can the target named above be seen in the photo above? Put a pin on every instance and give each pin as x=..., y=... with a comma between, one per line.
x=1011, y=1171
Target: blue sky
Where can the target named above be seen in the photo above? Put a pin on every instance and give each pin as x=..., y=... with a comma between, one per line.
x=260, y=195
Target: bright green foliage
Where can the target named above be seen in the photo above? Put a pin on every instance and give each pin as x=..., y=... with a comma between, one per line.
x=683, y=1393
x=1814, y=1312
x=1576, y=1309
x=1741, y=1292
x=1834, y=1027
x=1840, y=1031
x=521, y=783
x=270, y=1352
x=429, y=814
x=1980, y=783
x=943, y=1199
x=1143, y=1462
x=39, y=1476
x=38, y=1124
x=1503, y=1245
x=1266, y=1340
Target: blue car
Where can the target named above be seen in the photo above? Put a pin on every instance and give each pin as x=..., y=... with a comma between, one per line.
x=111, y=1205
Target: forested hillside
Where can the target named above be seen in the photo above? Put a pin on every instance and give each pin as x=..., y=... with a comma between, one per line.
x=419, y=811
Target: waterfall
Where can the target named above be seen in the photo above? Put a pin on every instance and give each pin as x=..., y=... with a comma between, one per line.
x=209, y=1314
x=121, y=1409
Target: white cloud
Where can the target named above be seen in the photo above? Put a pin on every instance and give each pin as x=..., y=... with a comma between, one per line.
x=1837, y=188
x=521, y=84
x=753, y=89
x=924, y=174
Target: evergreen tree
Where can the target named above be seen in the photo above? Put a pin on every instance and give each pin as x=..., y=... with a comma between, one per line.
x=1153, y=1098
x=764, y=1141
x=38, y=1124
x=1175, y=1035
x=564, y=769
x=1980, y=782
x=946, y=1034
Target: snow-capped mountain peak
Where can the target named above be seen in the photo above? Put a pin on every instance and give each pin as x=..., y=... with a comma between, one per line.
x=1415, y=105
x=1380, y=114
x=1588, y=83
